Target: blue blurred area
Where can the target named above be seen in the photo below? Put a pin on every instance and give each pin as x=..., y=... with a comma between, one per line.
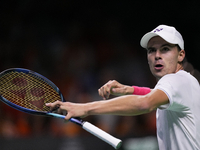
x=80, y=45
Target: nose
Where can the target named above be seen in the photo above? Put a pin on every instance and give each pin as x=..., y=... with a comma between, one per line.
x=157, y=55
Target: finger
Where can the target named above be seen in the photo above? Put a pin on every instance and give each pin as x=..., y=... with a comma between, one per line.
x=107, y=92
x=101, y=92
x=55, y=109
x=113, y=90
x=108, y=88
x=107, y=95
x=67, y=117
x=59, y=111
x=54, y=105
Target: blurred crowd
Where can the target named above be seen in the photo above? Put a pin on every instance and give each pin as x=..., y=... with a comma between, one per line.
x=78, y=68
x=79, y=56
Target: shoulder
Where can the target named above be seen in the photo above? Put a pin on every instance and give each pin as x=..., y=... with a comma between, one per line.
x=176, y=81
x=181, y=77
x=178, y=87
x=180, y=73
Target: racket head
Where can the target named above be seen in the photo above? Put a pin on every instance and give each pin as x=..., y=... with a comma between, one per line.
x=28, y=91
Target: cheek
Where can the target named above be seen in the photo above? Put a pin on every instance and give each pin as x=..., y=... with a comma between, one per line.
x=172, y=60
x=150, y=59
x=171, y=64
x=150, y=62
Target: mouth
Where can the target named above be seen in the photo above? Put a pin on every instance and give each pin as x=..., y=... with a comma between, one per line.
x=159, y=66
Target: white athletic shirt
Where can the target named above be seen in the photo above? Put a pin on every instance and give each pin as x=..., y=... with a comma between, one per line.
x=178, y=122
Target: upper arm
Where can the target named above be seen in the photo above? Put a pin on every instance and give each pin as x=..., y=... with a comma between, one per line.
x=156, y=98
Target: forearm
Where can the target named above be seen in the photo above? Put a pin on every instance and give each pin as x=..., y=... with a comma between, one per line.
x=129, y=90
x=125, y=105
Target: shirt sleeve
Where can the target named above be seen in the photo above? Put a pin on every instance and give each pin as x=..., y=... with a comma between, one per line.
x=174, y=87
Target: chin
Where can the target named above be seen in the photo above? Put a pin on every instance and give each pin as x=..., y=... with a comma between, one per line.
x=159, y=75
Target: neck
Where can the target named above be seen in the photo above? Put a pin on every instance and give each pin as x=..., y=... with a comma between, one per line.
x=179, y=67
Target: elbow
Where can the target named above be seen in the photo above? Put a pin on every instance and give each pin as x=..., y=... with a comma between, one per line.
x=146, y=105
x=146, y=109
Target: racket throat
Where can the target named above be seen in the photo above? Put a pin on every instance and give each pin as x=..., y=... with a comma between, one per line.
x=77, y=121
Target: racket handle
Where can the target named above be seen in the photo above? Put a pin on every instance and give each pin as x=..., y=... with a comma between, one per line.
x=116, y=143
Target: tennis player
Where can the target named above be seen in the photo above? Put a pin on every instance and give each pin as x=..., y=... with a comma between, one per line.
x=176, y=95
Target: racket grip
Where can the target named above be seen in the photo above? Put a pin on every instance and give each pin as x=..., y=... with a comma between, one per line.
x=116, y=143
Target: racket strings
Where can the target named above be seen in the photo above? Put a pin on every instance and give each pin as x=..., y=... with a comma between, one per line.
x=27, y=91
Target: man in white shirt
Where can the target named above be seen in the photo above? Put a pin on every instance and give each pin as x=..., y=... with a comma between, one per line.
x=176, y=96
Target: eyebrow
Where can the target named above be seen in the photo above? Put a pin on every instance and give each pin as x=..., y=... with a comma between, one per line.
x=168, y=44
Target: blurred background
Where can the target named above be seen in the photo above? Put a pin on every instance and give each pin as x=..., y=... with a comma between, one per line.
x=80, y=45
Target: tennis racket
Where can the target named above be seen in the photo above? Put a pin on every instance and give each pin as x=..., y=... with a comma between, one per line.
x=28, y=91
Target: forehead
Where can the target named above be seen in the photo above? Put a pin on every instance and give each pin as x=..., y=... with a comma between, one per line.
x=156, y=41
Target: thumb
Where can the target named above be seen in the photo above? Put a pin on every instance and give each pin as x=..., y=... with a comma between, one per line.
x=67, y=117
x=117, y=91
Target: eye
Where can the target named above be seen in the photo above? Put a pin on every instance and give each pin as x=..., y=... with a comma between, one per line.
x=151, y=50
x=165, y=49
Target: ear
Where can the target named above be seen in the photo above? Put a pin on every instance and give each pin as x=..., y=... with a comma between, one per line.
x=181, y=55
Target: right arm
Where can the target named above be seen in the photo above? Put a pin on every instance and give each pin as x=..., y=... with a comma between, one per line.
x=128, y=105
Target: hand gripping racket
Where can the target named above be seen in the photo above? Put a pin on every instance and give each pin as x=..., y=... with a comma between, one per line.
x=28, y=91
